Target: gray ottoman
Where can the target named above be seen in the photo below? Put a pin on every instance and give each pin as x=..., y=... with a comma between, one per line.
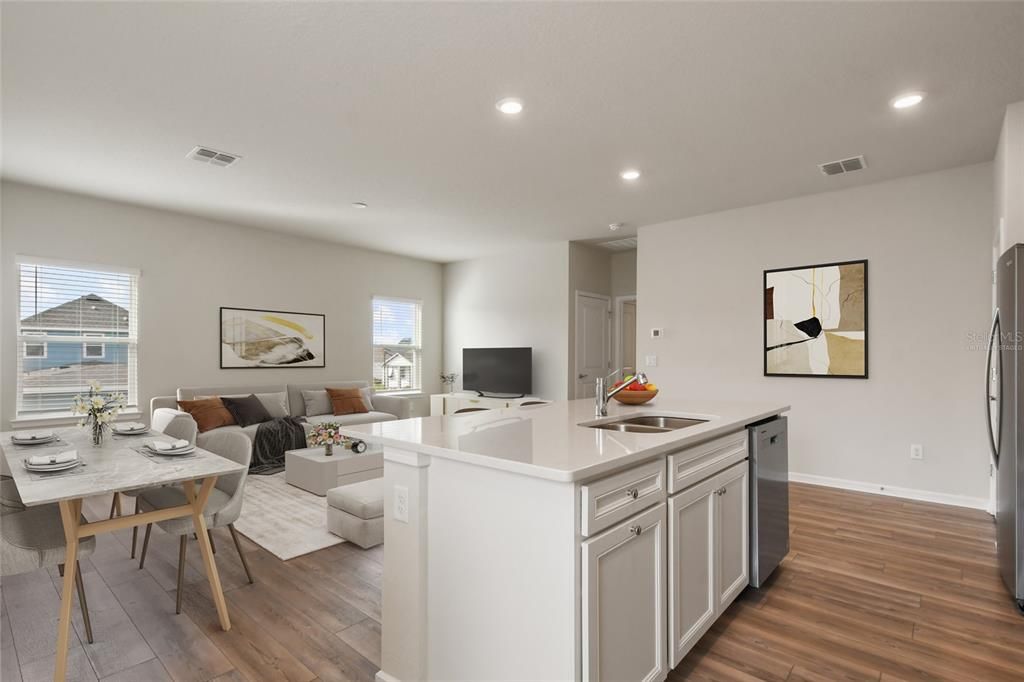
x=356, y=512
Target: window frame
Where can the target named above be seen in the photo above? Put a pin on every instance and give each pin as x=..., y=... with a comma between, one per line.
x=86, y=344
x=25, y=344
x=130, y=341
x=416, y=348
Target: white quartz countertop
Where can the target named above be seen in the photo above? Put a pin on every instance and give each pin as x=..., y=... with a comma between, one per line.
x=549, y=441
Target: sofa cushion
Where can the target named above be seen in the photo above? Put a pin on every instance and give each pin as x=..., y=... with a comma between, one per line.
x=246, y=411
x=209, y=413
x=204, y=438
x=317, y=402
x=364, y=499
x=370, y=417
x=347, y=401
x=275, y=403
x=298, y=406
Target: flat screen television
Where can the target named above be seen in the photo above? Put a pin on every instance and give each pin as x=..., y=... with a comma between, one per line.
x=497, y=370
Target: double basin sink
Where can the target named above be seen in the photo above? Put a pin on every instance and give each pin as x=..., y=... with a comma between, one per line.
x=647, y=424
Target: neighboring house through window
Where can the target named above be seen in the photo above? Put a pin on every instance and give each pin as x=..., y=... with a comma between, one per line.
x=397, y=344
x=77, y=323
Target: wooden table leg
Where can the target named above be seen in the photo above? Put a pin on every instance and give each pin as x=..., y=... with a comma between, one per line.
x=198, y=503
x=71, y=514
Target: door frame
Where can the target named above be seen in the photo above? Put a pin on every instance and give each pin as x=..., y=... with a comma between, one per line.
x=617, y=330
x=575, y=334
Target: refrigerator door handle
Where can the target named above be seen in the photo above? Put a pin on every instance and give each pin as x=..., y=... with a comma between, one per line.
x=990, y=400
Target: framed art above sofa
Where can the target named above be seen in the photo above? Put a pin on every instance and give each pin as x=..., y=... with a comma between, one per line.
x=264, y=339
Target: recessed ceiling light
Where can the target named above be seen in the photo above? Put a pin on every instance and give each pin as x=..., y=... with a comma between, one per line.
x=630, y=174
x=510, y=106
x=907, y=100
x=358, y=204
x=615, y=226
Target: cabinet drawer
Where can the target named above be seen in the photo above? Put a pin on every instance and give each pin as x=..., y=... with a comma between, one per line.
x=610, y=500
x=697, y=463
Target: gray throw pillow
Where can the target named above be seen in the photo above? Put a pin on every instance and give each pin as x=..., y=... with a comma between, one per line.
x=317, y=403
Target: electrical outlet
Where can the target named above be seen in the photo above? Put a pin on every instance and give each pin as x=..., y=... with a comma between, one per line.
x=916, y=451
x=401, y=510
x=652, y=361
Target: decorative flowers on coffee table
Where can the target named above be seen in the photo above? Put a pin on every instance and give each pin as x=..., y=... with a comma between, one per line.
x=327, y=435
x=449, y=380
x=99, y=409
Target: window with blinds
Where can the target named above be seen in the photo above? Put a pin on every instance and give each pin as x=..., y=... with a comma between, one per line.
x=397, y=346
x=76, y=324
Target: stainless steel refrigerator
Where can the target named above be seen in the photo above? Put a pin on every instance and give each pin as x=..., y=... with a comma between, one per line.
x=1005, y=389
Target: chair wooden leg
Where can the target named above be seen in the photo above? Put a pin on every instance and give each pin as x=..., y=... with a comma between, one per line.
x=182, y=546
x=115, y=505
x=83, y=603
x=213, y=545
x=145, y=544
x=135, y=529
x=241, y=555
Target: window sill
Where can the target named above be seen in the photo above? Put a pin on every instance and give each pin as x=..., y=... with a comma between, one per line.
x=62, y=419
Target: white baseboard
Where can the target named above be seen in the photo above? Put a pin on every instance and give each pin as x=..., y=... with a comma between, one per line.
x=892, y=491
x=382, y=676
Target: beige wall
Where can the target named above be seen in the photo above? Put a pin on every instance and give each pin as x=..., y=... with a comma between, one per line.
x=624, y=273
x=191, y=266
x=1009, y=179
x=928, y=240
x=515, y=299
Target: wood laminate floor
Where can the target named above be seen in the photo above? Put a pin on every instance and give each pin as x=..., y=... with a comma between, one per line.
x=875, y=588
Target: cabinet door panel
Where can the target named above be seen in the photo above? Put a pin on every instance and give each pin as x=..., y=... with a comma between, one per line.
x=691, y=541
x=733, y=534
x=624, y=600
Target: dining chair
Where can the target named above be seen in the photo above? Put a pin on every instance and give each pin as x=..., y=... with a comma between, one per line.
x=34, y=538
x=10, y=500
x=471, y=409
x=222, y=508
x=183, y=429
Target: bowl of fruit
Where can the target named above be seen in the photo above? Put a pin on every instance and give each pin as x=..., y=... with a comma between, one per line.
x=636, y=393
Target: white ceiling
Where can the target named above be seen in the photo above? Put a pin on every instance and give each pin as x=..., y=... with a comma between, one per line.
x=720, y=105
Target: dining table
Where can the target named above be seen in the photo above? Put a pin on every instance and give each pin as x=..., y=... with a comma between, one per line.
x=118, y=464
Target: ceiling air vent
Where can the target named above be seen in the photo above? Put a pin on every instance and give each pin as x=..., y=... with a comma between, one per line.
x=212, y=156
x=624, y=244
x=854, y=163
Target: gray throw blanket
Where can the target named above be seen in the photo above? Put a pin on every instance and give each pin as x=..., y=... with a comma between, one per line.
x=272, y=439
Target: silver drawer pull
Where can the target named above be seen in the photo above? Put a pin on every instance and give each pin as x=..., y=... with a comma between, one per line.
x=636, y=530
x=633, y=493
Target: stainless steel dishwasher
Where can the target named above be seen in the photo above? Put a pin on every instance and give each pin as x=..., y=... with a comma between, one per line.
x=769, y=497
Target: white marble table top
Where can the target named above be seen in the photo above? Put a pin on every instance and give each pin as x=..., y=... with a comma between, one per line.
x=112, y=467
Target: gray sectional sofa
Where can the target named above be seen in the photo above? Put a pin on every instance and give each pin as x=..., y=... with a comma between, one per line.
x=280, y=401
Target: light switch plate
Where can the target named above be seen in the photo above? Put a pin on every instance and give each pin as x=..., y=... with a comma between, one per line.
x=401, y=509
x=651, y=361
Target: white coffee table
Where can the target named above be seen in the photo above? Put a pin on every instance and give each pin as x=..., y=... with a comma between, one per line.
x=312, y=470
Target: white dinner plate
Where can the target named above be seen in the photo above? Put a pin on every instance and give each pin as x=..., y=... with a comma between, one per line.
x=44, y=468
x=171, y=453
x=34, y=441
x=129, y=432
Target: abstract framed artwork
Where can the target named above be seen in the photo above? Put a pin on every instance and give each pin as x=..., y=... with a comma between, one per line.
x=264, y=339
x=816, y=321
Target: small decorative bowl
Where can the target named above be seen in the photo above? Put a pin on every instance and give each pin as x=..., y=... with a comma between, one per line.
x=628, y=397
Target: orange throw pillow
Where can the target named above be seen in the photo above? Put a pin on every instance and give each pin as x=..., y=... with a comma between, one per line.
x=209, y=413
x=347, y=401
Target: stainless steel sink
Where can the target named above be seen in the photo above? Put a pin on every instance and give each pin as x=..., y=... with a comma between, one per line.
x=647, y=424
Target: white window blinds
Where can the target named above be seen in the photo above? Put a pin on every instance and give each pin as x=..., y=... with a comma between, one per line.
x=397, y=344
x=76, y=324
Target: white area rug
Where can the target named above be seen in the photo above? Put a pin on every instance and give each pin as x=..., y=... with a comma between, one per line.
x=282, y=519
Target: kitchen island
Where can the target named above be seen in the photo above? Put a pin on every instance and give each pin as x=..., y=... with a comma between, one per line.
x=525, y=544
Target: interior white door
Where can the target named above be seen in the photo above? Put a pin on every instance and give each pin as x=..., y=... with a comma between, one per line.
x=624, y=601
x=732, y=532
x=691, y=561
x=592, y=337
x=627, y=337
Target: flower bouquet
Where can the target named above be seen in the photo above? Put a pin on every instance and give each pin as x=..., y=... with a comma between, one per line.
x=449, y=381
x=327, y=435
x=99, y=410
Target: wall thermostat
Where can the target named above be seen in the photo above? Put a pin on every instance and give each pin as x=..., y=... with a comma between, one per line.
x=657, y=333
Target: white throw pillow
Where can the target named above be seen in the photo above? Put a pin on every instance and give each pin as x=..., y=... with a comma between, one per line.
x=317, y=402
